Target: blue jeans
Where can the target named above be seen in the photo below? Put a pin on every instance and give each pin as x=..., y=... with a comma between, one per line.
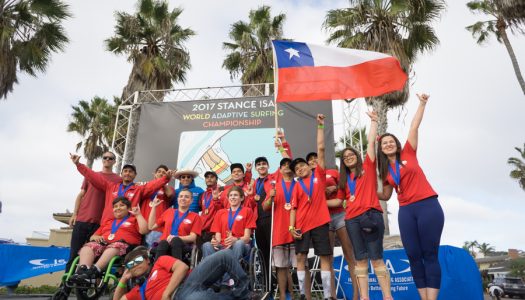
x=364, y=247
x=239, y=249
x=198, y=284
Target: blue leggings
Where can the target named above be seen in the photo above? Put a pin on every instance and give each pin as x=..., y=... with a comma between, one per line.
x=420, y=225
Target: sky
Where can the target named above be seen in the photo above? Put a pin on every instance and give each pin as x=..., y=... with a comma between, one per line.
x=470, y=128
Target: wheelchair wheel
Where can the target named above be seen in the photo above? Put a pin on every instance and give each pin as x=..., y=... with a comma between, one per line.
x=91, y=292
x=196, y=257
x=61, y=294
x=257, y=272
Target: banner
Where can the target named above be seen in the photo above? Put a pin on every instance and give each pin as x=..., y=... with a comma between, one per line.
x=211, y=134
x=20, y=261
x=460, y=278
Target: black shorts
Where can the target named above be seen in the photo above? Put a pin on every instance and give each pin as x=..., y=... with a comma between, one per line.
x=320, y=241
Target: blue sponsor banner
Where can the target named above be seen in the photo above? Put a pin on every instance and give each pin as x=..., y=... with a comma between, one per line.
x=460, y=278
x=20, y=261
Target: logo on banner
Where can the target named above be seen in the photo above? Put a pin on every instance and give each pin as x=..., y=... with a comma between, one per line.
x=42, y=264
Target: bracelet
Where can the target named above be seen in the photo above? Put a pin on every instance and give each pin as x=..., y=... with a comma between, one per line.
x=320, y=126
x=291, y=228
x=281, y=149
x=122, y=285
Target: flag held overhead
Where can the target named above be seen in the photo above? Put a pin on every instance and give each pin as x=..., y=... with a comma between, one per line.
x=307, y=72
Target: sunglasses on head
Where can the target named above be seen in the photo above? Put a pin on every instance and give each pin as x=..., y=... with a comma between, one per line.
x=186, y=177
x=136, y=261
x=108, y=158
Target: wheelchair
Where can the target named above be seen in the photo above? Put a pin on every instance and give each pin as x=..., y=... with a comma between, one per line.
x=253, y=265
x=105, y=285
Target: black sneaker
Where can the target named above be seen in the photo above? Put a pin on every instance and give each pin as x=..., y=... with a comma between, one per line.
x=91, y=275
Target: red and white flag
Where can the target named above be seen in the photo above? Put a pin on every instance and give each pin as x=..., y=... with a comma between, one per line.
x=307, y=72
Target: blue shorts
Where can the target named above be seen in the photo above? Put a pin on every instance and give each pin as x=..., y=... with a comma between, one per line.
x=364, y=247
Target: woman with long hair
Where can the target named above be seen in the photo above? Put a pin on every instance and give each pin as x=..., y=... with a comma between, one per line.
x=363, y=214
x=420, y=216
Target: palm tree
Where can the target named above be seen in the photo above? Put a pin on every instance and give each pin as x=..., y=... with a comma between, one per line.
x=94, y=122
x=401, y=28
x=519, y=167
x=469, y=246
x=30, y=31
x=501, y=20
x=485, y=248
x=153, y=41
x=250, y=52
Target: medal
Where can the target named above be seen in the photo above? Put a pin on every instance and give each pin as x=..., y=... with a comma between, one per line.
x=231, y=219
x=206, y=211
x=169, y=238
x=207, y=201
x=122, y=189
x=257, y=197
x=308, y=191
x=396, y=176
x=287, y=206
x=352, y=198
x=177, y=220
x=115, y=227
x=259, y=185
x=228, y=233
x=351, y=185
x=288, y=193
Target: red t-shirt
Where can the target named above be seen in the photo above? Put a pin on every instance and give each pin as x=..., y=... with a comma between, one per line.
x=281, y=217
x=128, y=231
x=313, y=213
x=365, y=197
x=92, y=204
x=158, y=280
x=134, y=194
x=244, y=219
x=192, y=223
x=213, y=208
x=165, y=204
x=414, y=183
x=332, y=179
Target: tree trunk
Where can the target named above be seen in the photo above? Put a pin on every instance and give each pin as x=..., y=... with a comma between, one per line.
x=503, y=33
x=89, y=163
x=381, y=109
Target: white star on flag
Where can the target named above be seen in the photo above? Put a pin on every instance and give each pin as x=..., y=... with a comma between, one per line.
x=292, y=53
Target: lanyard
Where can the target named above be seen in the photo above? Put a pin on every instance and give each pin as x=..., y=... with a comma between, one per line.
x=395, y=175
x=288, y=193
x=310, y=191
x=177, y=220
x=143, y=290
x=207, y=200
x=232, y=219
x=351, y=183
x=259, y=185
x=121, y=191
x=115, y=226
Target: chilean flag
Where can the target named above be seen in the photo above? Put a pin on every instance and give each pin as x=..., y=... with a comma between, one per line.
x=307, y=72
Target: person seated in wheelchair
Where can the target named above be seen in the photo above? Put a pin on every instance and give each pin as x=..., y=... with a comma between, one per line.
x=232, y=227
x=166, y=278
x=180, y=227
x=113, y=238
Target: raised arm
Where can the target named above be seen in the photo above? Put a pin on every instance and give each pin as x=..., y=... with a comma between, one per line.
x=372, y=135
x=320, y=141
x=282, y=145
x=96, y=179
x=143, y=225
x=152, y=219
x=418, y=117
x=156, y=184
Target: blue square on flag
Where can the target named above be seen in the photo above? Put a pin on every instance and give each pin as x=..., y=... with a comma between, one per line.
x=292, y=54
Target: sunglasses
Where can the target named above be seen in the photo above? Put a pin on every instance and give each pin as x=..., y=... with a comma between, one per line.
x=186, y=177
x=108, y=158
x=134, y=262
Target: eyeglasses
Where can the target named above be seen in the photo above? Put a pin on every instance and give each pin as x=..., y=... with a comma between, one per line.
x=108, y=158
x=349, y=156
x=186, y=177
x=134, y=262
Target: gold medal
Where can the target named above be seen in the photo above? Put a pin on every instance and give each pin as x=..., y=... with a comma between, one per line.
x=352, y=198
x=257, y=197
x=287, y=206
x=228, y=233
x=111, y=237
x=308, y=198
x=399, y=189
x=206, y=211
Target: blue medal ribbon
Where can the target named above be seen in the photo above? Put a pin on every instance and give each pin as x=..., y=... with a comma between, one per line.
x=143, y=290
x=351, y=183
x=177, y=220
x=259, y=185
x=115, y=226
x=122, y=189
x=231, y=218
x=288, y=193
x=309, y=192
x=395, y=175
x=207, y=200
